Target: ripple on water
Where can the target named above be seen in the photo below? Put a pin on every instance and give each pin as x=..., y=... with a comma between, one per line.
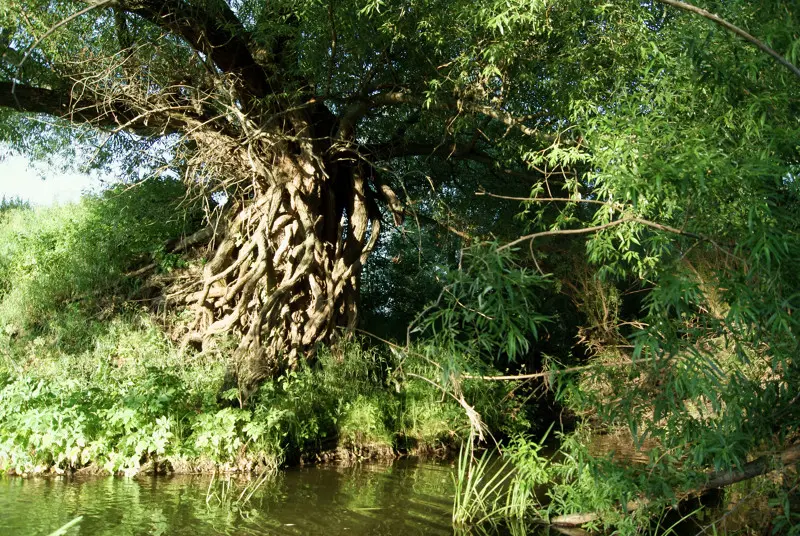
x=403, y=498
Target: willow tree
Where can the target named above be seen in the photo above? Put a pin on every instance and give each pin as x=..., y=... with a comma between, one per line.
x=280, y=105
x=306, y=115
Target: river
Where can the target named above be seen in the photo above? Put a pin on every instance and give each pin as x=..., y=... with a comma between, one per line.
x=404, y=497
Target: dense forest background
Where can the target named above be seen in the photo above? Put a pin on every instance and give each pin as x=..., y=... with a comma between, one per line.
x=370, y=227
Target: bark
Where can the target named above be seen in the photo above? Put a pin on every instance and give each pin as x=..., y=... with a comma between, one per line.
x=285, y=273
x=212, y=29
x=83, y=109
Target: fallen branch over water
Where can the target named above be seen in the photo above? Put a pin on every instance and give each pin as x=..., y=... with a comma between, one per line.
x=715, y=480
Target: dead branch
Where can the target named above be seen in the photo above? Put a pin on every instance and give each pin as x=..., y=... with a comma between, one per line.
x=714, y=480
x=545, y=199
x=596, y=228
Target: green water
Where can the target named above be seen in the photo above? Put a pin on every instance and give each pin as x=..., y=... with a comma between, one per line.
x=401, y=498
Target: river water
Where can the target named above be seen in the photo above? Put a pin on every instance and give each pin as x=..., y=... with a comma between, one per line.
x=401, y=498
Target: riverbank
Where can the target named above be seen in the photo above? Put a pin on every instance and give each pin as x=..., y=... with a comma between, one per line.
x=245, y=466
x=131, y=403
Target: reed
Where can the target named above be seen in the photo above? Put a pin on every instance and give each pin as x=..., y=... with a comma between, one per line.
x=229, y=494
x=479, y=486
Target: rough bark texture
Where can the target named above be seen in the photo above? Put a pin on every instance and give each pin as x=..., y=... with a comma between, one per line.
x=285, y=273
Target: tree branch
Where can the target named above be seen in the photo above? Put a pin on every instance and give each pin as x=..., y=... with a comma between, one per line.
x=735, y=29
x=357, y=109
x=714, y=480
x=59, y=103
x=214, y=31
x=582, y=230
x=544, y=199
x=461, y=234
x=585, y=230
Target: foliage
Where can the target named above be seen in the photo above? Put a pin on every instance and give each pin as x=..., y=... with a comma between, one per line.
x=75, y=257
x=119, y=411
x=688, y=197
x=650, y=275
x=100, y=383
x=488, y=309
x=11, y=203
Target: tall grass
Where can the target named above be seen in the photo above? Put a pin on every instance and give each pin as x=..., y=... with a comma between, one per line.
x=500, y=486
x=479, y=485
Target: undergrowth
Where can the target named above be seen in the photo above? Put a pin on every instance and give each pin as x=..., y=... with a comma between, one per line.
x=131, y=402
x=90, y=378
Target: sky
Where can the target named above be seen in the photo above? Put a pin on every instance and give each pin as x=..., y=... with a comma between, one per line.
x=18, y=179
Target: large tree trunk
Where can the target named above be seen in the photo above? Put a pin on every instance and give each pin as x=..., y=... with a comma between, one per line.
x=285, y=273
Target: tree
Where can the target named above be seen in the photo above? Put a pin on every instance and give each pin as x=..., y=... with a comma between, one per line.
x=310, y=116
x=268, y=104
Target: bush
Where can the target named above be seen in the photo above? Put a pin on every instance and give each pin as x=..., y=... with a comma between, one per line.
x=62, y=265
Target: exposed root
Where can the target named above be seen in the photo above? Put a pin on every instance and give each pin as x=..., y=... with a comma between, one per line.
x=281, y=278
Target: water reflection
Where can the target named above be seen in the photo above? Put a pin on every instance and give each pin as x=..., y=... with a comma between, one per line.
x=402, y=498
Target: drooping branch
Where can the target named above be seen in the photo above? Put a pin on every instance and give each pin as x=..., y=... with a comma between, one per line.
x=736, y=30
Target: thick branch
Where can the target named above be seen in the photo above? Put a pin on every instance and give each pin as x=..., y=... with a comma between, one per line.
x=735, y=29
x=59, y=103
x=353, y=113
x=214, y=30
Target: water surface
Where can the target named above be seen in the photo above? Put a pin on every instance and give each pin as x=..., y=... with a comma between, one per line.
x=401, y=498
